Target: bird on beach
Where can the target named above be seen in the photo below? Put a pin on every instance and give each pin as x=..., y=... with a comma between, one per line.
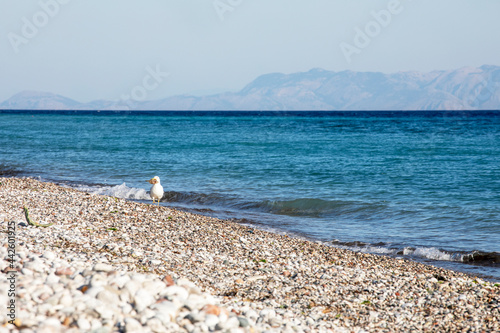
x=156, y=191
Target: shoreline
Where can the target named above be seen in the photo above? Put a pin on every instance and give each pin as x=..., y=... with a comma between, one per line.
x=428, y=255
x=302, y=284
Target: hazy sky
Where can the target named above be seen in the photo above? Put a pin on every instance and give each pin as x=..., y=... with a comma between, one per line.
x=103, y=49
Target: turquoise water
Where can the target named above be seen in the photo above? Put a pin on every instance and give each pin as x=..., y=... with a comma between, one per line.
x=421, y=185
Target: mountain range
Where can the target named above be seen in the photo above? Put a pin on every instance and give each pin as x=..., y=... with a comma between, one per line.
x=467, y=88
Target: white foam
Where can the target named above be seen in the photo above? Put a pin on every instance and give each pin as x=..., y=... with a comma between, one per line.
x=422, y=252
x=432, y=253
x=119, y=191
x=373, y=249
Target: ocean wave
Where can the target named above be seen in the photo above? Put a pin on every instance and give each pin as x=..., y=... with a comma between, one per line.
x=8, y=171
x=379, y=248
x=432, y=253
x=477, y=258
x=302, y=207
x=119, y=191
x=311, y=207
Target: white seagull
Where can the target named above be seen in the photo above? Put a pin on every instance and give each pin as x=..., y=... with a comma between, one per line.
x=156, y=191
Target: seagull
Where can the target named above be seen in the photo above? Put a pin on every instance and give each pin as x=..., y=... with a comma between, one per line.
x=156, y=191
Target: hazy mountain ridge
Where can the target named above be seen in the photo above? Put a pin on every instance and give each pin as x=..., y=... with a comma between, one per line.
x=465, y=88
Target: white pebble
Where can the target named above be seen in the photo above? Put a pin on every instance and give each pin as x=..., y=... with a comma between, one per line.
x=101, y=267
x=132, y=286
x=132, y=325
x=108, y=297
x=83, y=324
x=35, y=265
x=49, y=255
x=154, y=286
x=175, y=291
x=166, y=311
x=211, y=320
x=156, y=325
x=104, y=311
x=52, y=279
x=143, y=299
x=66, y=299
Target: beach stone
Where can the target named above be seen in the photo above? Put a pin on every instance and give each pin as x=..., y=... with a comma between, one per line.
x=168, y=280
x=252, y=314
x=133, y=325
x=230, y=323
x=154, y=286
x=66, y=299
x=165, y=319
x=131, y=288
x=137, y=253
x=195, y=301
x=108, y=297
x=98, y=280
x=21, y=254
x=156, y=325
x=36, y=265
x=146, y=314
x=94, y=291
x=168, y=310
x=126, y=308
x=143, y=299
x=101, y=267
x=119, y=280
x=211, y=320
x=212, y=309
x=49, y=255
x=275, y=322
x=52, y=279
x=64, y=271
x=104, y=311
x=243, y=322
x=267, y=313
x=87, y=272
x=50, y=325
x=194, y=317
x=175, y=291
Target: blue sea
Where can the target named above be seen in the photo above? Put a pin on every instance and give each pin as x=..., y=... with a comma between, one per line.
x=419, y=185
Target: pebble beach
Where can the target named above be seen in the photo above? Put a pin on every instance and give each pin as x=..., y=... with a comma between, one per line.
x=111, y=265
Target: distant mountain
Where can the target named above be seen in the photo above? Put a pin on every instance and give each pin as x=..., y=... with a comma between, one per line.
x=466, y=88
x=35, y=100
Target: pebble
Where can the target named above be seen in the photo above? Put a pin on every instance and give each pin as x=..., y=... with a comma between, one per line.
x=165, y=270
x=100, y=267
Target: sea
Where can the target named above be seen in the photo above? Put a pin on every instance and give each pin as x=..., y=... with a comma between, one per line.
x=424, y=186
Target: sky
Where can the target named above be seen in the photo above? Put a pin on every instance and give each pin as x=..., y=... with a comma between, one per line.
x=151, y=49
